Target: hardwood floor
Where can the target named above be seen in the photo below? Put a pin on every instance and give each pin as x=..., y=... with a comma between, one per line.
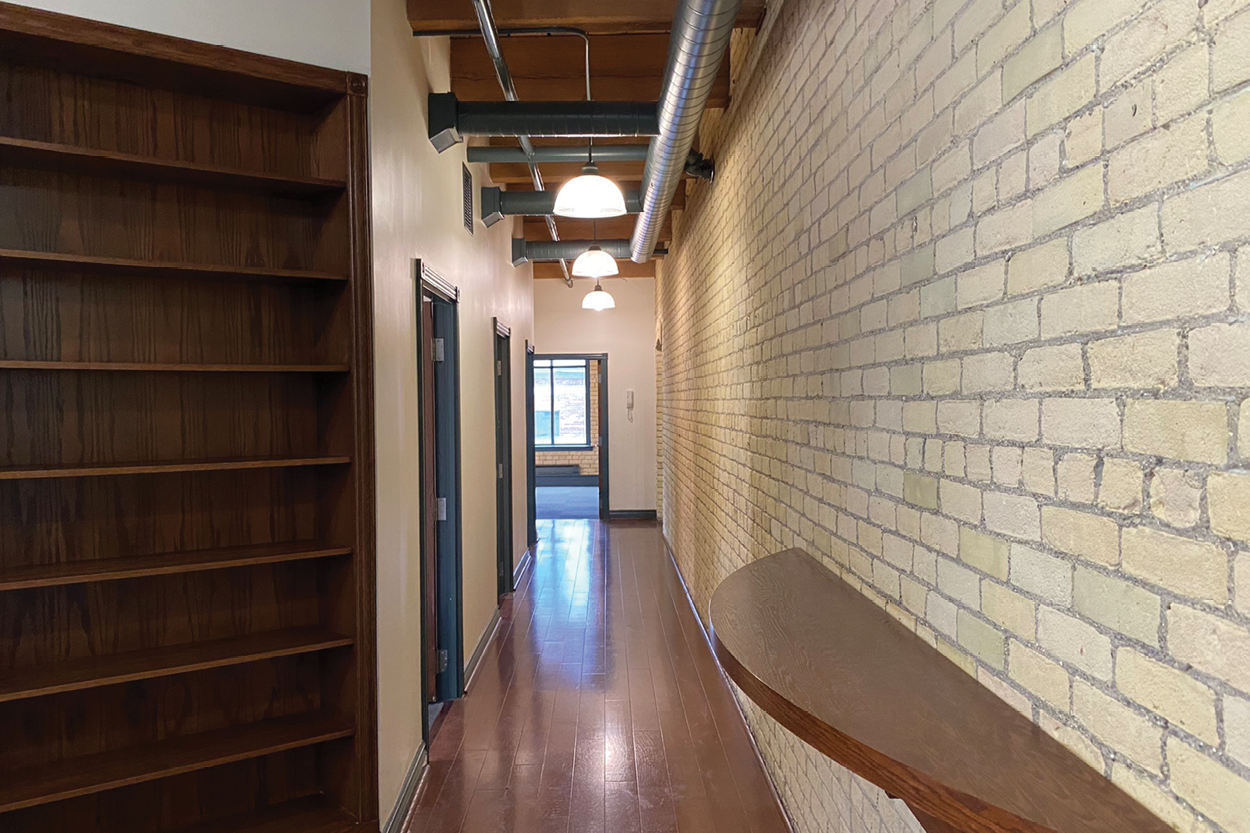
x=598, y=708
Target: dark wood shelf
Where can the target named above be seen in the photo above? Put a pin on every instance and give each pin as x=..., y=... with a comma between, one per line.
x=110, y=669
x=162, y=564
x=206, y=275
x=307, y=815
x=146, y=367
x=115, y=469
x=169, y=269
x=87, y=160
x=864, y=690
x=123, y=767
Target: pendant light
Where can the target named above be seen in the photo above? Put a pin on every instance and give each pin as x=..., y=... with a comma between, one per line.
x=598, y=300
x=590, y=196
x=595, y=262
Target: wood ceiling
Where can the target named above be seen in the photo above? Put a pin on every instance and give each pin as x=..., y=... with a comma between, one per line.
x=596, y=17
x=628, y=53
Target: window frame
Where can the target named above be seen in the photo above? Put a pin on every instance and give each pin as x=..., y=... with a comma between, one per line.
x=550, y=359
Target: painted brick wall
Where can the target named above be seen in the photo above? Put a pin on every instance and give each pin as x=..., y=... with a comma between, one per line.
x=587, y=462
x=966, y=313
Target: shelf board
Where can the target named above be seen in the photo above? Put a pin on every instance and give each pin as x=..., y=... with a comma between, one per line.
x=129, y=267
x=111, y=669
x=115, y=469
x=859, y=686
x=153, y=367
x=162, y=564
x=110, y=163
x=88, y=774
x=305, y=815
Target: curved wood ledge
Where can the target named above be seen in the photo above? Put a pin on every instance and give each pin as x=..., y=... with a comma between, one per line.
x=861, y=688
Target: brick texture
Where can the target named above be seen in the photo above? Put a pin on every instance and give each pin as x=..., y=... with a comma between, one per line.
x=964, y=315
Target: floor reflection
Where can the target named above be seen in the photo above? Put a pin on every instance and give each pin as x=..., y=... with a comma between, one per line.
x=598, y=707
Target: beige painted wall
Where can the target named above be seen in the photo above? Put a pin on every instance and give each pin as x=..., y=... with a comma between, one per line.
x=966, y=314
x=627, y=335
x=416, y=214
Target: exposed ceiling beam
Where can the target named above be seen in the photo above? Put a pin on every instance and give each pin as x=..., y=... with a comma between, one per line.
x=594, y=16
x=629, y=269
x=554, y=173
x=622, y=68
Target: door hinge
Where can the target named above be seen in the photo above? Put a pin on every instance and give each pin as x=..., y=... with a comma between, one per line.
x=439, y=350
x=442, y=508
x=442, y=661
x=500, y=467
x=499, y=367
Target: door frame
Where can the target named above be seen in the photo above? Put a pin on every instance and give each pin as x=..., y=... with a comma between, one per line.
x=503, y=457
x=449, y=683
x=605, y=502
x=531, y=459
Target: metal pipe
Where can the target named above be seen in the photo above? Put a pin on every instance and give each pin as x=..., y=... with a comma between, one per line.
x=603, y=153
x=490, y=34
x=557, y=118
x=537, y=250
x=451, y=119
x=697, y=45
x=497, y=204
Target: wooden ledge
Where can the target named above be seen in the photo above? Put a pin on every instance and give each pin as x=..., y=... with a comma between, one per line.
x=860, y=687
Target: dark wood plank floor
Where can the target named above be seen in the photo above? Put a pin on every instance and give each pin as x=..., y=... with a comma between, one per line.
x=598, y=708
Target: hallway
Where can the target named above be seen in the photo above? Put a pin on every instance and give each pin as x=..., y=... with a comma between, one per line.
x=598, y=707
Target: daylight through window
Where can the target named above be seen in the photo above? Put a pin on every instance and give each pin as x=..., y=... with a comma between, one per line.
x=561, y=402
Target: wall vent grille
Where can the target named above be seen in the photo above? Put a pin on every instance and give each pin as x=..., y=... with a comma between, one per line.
x=467, y=180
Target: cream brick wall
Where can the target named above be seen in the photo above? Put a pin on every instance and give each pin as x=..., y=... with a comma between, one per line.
x=966, y=314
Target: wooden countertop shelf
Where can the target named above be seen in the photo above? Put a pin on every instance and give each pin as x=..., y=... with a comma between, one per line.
x=163, y=564
x=115, y=469
x=131, y=267
x=104, y=771
x=864, y=690
x=146, y=367
x=111, y=669
x=88, y=160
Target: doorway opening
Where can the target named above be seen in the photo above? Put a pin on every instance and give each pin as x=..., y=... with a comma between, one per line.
x=570, y=435
x=503, y=457
x=438, y=366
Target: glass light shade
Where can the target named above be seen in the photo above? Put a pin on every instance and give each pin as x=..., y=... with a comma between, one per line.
x=598, y=300
x=595, y=263
x=590, y=197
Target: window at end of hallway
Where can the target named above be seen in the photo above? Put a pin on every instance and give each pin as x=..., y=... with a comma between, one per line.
x=561, y=403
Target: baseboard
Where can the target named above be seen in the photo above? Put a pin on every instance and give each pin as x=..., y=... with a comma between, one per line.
x=768, y=776
x=632, y=515
x=408, y=792
x=470, y=667
x=518, y=572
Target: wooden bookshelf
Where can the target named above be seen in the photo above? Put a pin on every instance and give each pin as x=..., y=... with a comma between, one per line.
x=88, y=160
x=187, y=471
x=91, y=672
x=123, y=767
x=126, y=267
x=308, y=815
x=153, y=367
x=181, y=466
x=160, y=564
